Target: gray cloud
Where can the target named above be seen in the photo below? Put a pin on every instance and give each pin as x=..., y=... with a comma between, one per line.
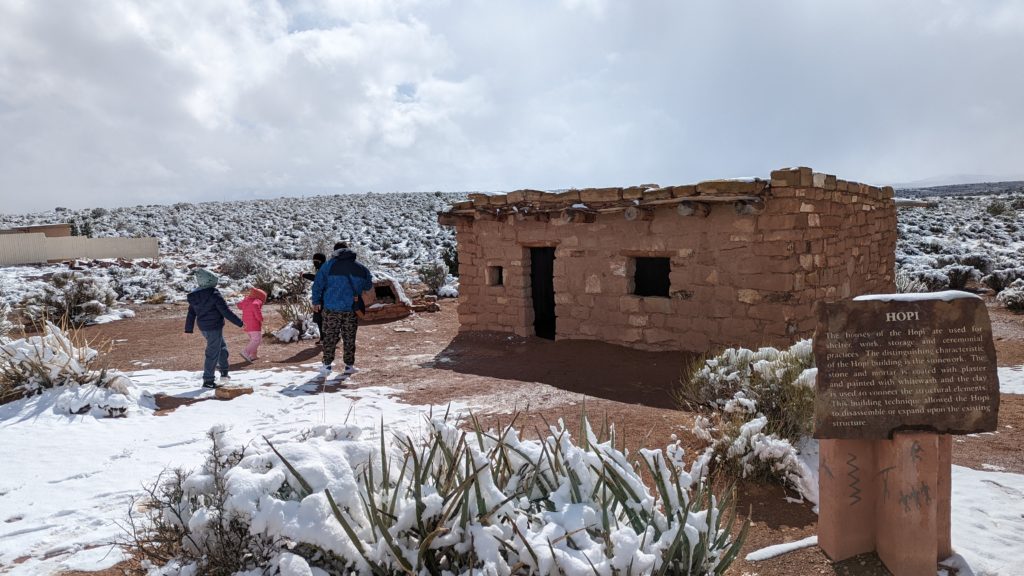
x=120, y=102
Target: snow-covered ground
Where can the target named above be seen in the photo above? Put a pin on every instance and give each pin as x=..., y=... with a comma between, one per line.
x=982, y=233
x=68, y=481
x=1011, y=380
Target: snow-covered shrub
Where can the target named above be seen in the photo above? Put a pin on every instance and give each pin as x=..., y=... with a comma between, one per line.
x=932, y=280
x=188, y=520
x=243, y=261
x=765, y=405
x=433, y=274
x=959, y=275
x=69, y=297
x=297, y=315
x=5, y=323
x=908, y=284
x=1012, y=297
x=1000, y=279
x=451, y=501
x=450, y=257
x=981, y=262
x=34, y=365
x=997, y=207
x=277, y=284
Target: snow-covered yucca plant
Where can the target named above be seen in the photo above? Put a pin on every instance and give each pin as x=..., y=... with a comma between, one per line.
x=70, y=298
x=5, y=324
x=450, y=502
x=765, y=406
x=30, y=365
x=1012, y=297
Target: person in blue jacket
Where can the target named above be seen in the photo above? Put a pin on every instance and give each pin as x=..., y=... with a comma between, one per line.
x=336, y=294
x=207, y=308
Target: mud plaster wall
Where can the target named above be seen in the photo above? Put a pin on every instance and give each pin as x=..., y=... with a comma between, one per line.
x=736, y=280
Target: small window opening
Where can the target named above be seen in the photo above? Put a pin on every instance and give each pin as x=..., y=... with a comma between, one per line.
x=495, y=276
x=651, y=277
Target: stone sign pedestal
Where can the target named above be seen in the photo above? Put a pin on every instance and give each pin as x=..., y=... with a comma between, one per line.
x=846, y=519
x=896, y=376
x=890, y=496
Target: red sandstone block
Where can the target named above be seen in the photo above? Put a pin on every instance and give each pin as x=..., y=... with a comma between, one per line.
x=773, y=249
x=785, y=177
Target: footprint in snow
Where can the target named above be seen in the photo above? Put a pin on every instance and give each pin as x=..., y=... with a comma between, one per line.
x=79, y=476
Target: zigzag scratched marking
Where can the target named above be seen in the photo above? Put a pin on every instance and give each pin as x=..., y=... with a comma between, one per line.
x=854, y=479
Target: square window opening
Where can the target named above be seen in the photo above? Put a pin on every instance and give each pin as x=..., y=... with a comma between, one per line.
x=495, y=276
x=650, y=277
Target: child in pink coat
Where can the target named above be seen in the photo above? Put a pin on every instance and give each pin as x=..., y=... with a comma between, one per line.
x=252, y=318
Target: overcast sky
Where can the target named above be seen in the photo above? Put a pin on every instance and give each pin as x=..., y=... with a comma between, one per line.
x=120, y=102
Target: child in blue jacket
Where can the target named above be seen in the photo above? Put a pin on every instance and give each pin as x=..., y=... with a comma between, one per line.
x=207, y=308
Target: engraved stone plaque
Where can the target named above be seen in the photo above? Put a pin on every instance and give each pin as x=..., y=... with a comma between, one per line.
x=905, y=362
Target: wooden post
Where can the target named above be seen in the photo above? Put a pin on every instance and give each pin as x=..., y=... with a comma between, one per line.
x=846, y=519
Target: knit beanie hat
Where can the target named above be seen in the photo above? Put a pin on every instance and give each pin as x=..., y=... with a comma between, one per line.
x=205, y=278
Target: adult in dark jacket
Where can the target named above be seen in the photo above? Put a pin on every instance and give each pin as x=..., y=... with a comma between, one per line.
x=336, y=293
x=318, y=317
x=207, y=308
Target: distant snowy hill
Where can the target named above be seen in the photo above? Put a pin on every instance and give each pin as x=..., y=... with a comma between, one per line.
x=972, y=188
x=397, y=231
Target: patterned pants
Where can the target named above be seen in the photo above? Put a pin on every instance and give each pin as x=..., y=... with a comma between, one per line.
x=339, y=326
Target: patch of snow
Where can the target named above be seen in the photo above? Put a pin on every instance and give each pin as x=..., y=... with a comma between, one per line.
x=1011, y=380
x=114, y=315
x=945, y=296
x=988, y=520
x=68, y=486
x=780, y=549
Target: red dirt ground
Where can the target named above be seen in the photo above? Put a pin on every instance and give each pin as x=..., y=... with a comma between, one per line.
x=496, y=375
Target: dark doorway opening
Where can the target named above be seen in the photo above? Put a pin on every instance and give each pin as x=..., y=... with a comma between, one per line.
x=542, y=282
x=384, y=294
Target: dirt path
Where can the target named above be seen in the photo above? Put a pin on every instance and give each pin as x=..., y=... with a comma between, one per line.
x=497, y=375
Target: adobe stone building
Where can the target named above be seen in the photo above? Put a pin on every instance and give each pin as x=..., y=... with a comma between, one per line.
x=699, y=267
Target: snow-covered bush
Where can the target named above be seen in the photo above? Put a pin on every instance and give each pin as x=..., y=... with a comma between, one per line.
x=297, y=315
x=959, y=275
x=5, y=323
x=34, y=365
x=69, y=297
x=433, y=274
x=246, y=260
x=1000, y=279
x=450, y=257
x=932, y=280
x=1012, y=297
x=452, y=502
x=908, y=284
x=997, y=207
x=765, y=405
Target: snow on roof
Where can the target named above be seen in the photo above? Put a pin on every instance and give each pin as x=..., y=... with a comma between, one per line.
x=945, y=296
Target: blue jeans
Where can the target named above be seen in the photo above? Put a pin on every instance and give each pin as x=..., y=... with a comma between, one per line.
x=216, y=354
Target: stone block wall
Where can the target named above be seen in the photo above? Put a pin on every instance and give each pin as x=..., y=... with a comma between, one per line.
x=739, y=277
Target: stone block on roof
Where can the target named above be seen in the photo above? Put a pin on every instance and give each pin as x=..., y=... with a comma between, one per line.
x=600, y=195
